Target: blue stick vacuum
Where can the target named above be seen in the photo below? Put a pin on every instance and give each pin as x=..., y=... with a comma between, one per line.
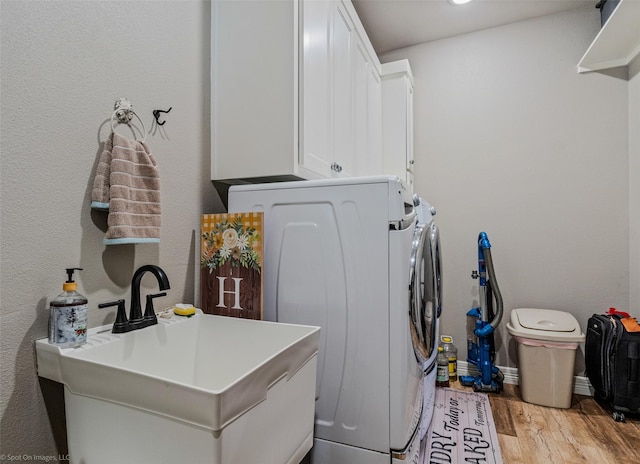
x=481, y=323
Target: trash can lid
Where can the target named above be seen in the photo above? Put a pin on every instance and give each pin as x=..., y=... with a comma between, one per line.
x=544, y=324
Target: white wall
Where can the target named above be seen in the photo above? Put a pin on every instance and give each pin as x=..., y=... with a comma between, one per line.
x=634, y=186
x=64, y=63
x=510, y=140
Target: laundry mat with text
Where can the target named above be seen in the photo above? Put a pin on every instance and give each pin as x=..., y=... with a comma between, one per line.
x=462, y=430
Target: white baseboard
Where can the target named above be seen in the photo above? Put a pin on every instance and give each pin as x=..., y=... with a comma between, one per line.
x=581, y=385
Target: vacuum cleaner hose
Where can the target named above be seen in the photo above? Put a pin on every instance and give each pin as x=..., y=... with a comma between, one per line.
x=495, y=291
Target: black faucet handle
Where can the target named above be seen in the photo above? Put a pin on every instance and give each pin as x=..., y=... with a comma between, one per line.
x=121, y=325
x=111, y=303
x=150, y=317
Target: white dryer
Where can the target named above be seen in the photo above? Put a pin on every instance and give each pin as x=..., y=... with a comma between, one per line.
x=347, y=255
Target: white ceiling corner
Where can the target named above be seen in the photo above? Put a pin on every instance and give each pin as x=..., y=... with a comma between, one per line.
x=393, y=24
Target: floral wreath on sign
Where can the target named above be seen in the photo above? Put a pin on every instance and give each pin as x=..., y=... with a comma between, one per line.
x=230, y=241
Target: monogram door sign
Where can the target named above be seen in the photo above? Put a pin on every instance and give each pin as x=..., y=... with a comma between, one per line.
x=231, y=264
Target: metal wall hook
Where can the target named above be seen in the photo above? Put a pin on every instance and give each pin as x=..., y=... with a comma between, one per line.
x=156, y=114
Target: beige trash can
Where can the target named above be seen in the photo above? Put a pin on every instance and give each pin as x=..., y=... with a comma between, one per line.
x=547, y=342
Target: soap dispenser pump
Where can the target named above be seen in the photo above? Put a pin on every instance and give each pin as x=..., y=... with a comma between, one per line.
x=68, y=315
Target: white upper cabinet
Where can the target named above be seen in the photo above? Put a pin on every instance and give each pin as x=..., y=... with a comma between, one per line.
x=295, y=91
x=397, y=120
x=618, y=42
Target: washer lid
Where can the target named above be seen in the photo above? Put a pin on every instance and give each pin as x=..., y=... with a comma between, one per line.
x=544, y=324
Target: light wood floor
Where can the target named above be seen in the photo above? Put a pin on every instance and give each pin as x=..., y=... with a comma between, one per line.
x=585, y=433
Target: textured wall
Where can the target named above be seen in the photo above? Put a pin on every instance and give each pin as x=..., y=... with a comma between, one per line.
x=634, y=186
x=511, y=140
x=63, y=66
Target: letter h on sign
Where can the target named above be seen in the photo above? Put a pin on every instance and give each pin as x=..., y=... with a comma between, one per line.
x=235, y=292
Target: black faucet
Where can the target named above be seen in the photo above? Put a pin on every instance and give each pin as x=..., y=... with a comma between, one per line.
x=136, y=319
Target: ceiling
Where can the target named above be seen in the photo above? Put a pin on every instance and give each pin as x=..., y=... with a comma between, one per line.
x=393, y=24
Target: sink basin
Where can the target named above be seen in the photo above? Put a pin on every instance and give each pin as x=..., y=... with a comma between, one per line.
x=206, y=389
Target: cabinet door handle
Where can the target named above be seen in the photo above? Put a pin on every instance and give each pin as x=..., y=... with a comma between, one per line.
x=335, y=167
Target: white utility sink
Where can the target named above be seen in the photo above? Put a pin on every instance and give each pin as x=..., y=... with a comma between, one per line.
x=204, y=389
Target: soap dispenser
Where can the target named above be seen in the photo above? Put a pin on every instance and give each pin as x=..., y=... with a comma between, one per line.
x=68, y=315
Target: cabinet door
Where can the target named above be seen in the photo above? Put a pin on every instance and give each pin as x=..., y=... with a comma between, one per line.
x=367, y=98
x=397, y=117
x=374, y=129
x=315, y=86
x=360, y=108
x=341, y=43
x=409, y=120
x=338, y=94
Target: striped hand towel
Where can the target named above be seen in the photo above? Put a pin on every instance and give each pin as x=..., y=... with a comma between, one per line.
x=127, y=183
x=100, y=191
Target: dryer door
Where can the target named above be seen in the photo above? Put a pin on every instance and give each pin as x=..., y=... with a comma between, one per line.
x=423, y=302
x=434, y=251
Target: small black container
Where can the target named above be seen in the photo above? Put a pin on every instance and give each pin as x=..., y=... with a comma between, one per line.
x=606, y=7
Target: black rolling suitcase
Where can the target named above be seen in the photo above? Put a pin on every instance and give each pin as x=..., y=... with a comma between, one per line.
x=612, y=358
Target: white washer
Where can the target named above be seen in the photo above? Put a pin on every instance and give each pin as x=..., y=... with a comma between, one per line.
x=348, y=256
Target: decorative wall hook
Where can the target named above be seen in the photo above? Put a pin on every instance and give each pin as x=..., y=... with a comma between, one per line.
x=123, y=110
x=156, y=114
x=124, y=114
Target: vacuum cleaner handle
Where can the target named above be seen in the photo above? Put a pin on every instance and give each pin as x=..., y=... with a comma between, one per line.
x=485, y=261
x=494, y=289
